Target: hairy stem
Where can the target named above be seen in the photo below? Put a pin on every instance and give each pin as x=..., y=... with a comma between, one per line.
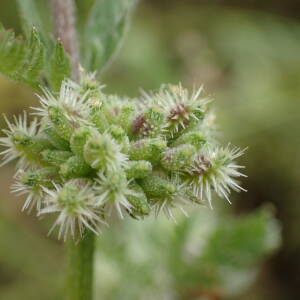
x=80, y=268
x=65, y=30
x=79, y=254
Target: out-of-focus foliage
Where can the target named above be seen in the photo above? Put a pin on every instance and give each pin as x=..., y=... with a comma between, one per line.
x=103, y=32
x=203, y=254
x=29, y=264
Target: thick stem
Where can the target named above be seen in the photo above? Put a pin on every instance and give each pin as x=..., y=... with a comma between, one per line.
x=65, y=30
x=80, y=268
x=80, y=254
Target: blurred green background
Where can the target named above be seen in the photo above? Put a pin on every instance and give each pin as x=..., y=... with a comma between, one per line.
x=247, y=55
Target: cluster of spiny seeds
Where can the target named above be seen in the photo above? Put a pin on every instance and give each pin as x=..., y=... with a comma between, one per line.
x=90, y=154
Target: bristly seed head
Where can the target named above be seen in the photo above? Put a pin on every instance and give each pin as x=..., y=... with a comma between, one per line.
x=74, y=202
x=17, y=134
x=112, y=191
x=215, y=170
x=92, y=154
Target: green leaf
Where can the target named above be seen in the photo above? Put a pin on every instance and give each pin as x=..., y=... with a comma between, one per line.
x=36, y=13
x=240, y=243
x=83, y=12
x=35, y=58
x=104, y=31
x=20, y=60
x=25, y=61
x=11, y=52
x=60, y=66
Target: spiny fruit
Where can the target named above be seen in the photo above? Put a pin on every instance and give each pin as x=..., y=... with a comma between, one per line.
x=91, y=154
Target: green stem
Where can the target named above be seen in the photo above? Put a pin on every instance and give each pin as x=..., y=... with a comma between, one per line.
x=80, y=254
x=80, y=268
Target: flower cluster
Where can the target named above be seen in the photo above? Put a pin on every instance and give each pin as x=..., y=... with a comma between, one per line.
x=88, y=154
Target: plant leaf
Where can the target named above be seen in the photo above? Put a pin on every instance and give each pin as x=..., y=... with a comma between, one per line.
x=34, y=60
x=25, y=61
x=239, y=243
x=104, y=31
x=35, y=13
x=60, y=66
x=20, y=60
x=83, y=12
